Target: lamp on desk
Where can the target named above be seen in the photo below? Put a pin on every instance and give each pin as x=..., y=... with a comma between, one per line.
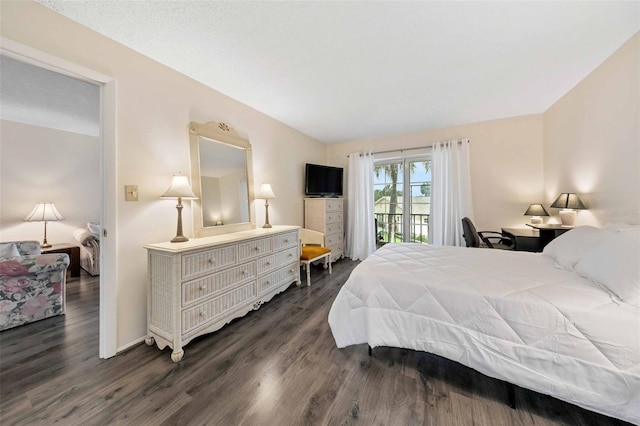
x=568, y=202
x=44, y=212
x=535, y=211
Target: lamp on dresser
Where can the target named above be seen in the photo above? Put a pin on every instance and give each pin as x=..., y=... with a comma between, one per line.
x=535, y=211
x=44, y=212
x=568, y=202
x=266, y=194
x=179, y=189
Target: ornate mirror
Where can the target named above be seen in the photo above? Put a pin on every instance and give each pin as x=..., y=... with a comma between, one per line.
x=221, y=178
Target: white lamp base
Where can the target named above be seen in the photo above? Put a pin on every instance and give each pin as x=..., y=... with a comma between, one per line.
x=536, y=220
x=567, y=217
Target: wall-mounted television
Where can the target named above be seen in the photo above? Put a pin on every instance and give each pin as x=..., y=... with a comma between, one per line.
x=323, y=181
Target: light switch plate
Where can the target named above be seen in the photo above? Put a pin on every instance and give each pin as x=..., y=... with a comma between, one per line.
x=131, y=192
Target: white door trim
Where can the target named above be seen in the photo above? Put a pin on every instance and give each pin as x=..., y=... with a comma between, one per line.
x=108, y=264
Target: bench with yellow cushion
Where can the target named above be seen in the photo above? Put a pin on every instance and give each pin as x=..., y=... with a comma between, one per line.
x=313, y=251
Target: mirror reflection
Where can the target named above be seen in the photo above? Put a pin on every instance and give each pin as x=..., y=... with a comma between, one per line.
x=222, y=179
x=224, y=185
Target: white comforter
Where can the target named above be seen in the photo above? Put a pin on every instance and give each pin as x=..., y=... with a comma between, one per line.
x=510, y=315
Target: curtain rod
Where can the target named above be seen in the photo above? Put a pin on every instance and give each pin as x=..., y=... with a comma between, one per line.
x=408, y=149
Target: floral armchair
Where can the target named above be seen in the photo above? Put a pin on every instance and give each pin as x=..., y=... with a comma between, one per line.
x=32, y=285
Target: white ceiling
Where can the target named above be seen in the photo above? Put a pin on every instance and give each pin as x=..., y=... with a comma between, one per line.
x=33, y=95
x=340, y=71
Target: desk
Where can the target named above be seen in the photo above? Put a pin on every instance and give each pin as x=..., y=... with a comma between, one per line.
x=549, y=231
x=74, y=256
x=526, y=239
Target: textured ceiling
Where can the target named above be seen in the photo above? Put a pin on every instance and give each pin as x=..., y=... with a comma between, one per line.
x=341, y=71
x=33, y=95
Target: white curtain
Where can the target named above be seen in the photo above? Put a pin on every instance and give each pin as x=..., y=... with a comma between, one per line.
x=360, y=241
x=450, y=192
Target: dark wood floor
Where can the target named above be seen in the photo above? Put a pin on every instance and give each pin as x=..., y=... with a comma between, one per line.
x=276, y=366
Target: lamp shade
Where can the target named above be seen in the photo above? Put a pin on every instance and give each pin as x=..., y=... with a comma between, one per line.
x=44, y=212
x=568, y=200
x=536, y=210
x=266, y=192
x=180, y=188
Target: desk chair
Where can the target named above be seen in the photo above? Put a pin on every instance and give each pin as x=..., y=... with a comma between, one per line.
x=475, y=238
x=313, y=251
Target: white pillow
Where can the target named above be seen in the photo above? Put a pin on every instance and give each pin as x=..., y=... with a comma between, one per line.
x=94, y=228
x=621, y=227
x=8, y=250
x=616, y=265
x=567, y=249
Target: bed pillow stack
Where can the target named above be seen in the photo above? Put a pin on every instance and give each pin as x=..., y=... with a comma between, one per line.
x=609, y=257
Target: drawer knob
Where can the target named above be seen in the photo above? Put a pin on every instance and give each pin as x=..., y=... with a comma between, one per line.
x=243, y=272
x=290, y=254
x=201, y=314
x=268, y=263
x=256, y=248
x=291, y=271
x=286, y=240
x=202, y=287
x=211, y=261
x=268, y=282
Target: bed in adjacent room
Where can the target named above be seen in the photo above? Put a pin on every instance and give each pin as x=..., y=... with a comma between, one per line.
x=564, y=323
x=89, y=240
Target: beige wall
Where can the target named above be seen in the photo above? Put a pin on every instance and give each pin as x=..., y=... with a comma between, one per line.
x=592, y=141
x=154, y=107
x=506, y=164
x=41, y=164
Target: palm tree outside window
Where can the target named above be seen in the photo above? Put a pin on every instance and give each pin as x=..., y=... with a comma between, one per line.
x=402, y=199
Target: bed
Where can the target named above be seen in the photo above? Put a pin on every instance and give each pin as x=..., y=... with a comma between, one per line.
x=565, y=323
x=89, y=240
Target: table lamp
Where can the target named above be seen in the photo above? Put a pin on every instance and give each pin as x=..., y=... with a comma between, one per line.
x=179, y=189
x=44, y=212
x=535, y=211
x=266, y=193
x=568, y=201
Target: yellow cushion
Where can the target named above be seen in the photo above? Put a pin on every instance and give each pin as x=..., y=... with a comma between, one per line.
x=311, y=252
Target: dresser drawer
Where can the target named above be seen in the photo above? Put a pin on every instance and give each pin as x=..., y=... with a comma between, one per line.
x=254, y=248
x=197, y=263
x=194, y=291
x=333, y=205
x=218, y=306
x=285, y=240
x=286, y=275
x=336, y=253
x=277, y=260
x=333, y=240
x=334, y=228
x=333, y=217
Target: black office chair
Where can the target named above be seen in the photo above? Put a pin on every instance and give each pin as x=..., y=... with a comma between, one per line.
x=474, y=238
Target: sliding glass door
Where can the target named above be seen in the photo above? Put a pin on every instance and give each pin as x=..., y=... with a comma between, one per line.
x=402, y=199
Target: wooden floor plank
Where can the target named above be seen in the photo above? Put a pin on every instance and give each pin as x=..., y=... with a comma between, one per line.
x=276, y=366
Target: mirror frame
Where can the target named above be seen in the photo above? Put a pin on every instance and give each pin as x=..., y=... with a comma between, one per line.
x=221, y=133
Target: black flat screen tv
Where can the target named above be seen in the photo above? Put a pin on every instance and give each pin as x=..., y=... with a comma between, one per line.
x=323, y=181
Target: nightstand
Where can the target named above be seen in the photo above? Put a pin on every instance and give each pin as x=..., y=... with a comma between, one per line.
x=526, y=239
x=74, y=256
x=549, y=231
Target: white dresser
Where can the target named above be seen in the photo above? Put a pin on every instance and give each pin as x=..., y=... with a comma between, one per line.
x=326, y=215
x=198, y=286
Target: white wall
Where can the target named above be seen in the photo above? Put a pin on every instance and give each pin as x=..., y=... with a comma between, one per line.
x=506, y=164
x=154, y=107
x=592, y=141
x=39, y=164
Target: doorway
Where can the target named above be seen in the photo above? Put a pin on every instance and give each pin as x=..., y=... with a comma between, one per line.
x=107, y=172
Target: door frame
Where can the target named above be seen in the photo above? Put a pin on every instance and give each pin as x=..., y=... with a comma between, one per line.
x=108, y=220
